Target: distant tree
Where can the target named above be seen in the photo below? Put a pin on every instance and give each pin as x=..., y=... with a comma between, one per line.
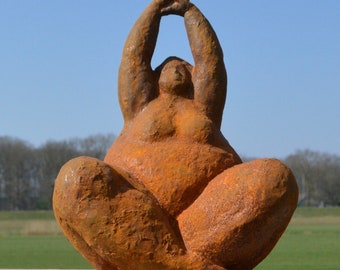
x=16, y=174
x=27, y=174
x=318, y=177
x=329, y=179
x=51, y=157
x=95, y=146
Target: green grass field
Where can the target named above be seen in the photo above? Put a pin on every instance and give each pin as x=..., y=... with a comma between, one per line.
x=33, y=240
x=311, y=241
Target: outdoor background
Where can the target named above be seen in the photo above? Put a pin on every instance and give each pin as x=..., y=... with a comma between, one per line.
x=58, y=99
x=59, y=64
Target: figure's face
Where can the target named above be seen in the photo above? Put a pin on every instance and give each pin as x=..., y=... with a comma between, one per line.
x=175, y=78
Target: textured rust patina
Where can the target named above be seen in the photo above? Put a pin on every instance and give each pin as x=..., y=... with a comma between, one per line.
x=171, y=192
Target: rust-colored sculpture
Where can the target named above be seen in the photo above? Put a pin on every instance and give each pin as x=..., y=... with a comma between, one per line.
x=171, y=192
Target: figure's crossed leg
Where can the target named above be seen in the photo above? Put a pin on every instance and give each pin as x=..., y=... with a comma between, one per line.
x=242, y=212
x=113, y=224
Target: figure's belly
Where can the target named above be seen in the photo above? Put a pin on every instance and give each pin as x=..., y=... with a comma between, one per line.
x=174, y=171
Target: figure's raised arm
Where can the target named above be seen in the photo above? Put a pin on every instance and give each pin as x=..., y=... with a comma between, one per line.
x=209, y=74
x=136, y=81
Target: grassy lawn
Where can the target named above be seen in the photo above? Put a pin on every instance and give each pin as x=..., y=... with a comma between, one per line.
x=311, y=242
x=39, y=252
x=33, y=240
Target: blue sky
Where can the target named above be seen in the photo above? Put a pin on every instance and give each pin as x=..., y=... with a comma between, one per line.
x=59, y=62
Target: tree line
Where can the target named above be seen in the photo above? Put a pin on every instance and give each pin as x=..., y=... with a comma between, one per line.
x=27, y=173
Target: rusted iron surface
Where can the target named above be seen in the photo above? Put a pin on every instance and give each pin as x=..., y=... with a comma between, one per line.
x=171, y=192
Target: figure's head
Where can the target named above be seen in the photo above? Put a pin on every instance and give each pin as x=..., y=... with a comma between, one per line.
x=175, y=77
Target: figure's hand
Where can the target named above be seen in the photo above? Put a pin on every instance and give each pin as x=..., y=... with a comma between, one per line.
x=178, y=7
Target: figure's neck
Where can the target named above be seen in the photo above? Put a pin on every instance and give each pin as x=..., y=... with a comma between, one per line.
x=172, y=95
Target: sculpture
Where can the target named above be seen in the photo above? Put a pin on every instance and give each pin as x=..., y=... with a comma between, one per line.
x=171, y=192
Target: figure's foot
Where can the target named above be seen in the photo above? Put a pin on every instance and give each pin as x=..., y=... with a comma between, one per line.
x=241, y=214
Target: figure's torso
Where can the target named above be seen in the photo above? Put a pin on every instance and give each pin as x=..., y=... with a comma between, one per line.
x=174, y=150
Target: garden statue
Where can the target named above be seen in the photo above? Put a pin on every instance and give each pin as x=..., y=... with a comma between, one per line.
x=171, y=192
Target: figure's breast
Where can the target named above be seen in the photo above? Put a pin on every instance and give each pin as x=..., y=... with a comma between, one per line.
x=195, y=126
x=154, y=123
x=161, y=120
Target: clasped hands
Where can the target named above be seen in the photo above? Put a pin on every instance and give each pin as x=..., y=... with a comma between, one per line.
x=176, y=7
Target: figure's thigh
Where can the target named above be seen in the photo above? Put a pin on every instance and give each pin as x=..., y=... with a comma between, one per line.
x=241, y=214
x=77, y=191
x=110, y=221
